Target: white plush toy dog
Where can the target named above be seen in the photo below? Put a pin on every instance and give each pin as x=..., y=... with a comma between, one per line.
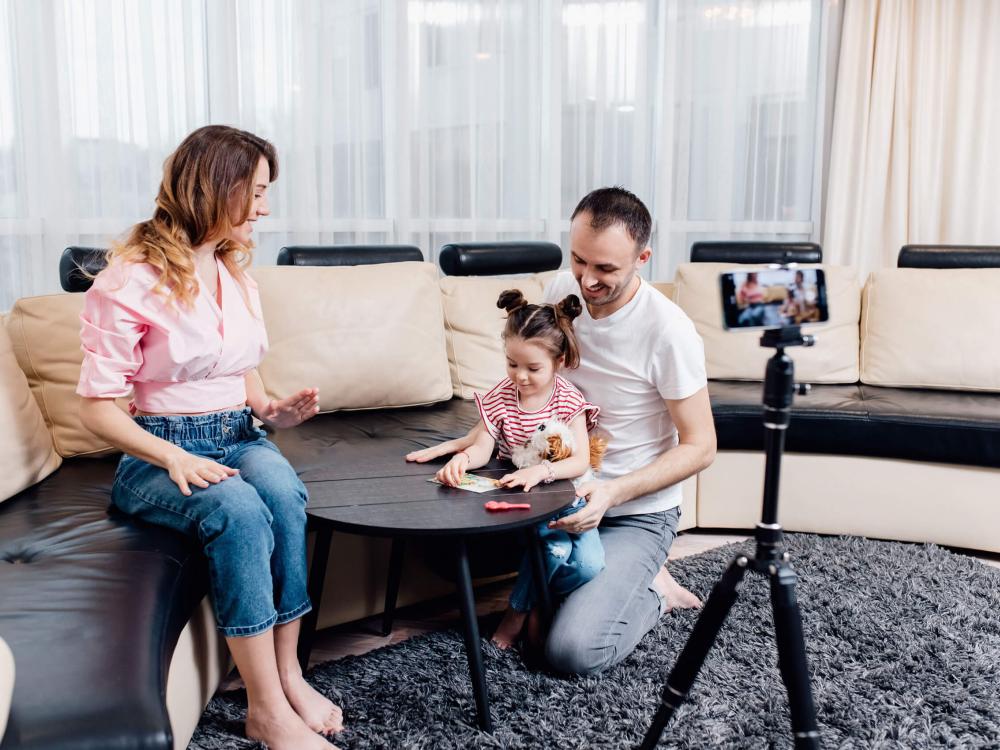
x=553, y=441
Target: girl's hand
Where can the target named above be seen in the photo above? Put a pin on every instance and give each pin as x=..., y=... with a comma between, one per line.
x=527, y=478
x=428, y=454
x=291, y=411
x=454, y=470
x=186, y=469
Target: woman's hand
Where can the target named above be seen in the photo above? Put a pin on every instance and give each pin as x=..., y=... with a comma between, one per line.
x=453, y=471
x=527, y=477
x=186, y=469
x=291, y=411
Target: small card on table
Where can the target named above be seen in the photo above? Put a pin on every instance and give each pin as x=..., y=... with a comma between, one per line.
x=473, y=483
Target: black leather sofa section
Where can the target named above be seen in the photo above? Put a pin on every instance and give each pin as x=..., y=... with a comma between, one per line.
x=756, y=252
x=92, y=606
x=76, y=263
x=347, y=255
x=495, y=258
x=863, y=420
x=948, y=256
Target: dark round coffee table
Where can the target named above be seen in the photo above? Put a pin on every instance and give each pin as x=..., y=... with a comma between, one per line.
x=397, y=501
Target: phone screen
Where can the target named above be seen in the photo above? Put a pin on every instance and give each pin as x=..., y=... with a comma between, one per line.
x=773, y=297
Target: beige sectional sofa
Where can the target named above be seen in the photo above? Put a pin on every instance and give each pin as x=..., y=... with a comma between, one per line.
x=399, y=335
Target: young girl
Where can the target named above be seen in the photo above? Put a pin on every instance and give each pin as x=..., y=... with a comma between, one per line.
x=538, y=342
x=176, y=320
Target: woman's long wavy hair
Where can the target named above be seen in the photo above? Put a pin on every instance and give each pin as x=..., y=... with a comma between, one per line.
x=207, y=189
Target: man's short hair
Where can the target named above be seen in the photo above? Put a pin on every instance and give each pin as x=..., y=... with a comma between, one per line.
x=616, y=205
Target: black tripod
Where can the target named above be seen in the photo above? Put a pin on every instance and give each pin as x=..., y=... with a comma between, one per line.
x=771, y=560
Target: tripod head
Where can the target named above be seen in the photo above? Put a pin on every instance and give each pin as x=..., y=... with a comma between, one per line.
x=779, y=338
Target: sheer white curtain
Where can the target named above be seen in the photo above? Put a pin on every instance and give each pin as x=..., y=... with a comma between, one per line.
x=915, y=147
x=418, y=121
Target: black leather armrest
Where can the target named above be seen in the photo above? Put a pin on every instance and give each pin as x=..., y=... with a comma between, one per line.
x=494, y=258
x=756, y=252
x=90, y=259
x=346, y=255
x=949, y=256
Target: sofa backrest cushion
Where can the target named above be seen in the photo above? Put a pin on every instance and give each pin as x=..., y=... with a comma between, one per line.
x=367, y=336
x=932, y=328
x=45, y=334
x=738, y=355
x=26, y=452
x=474, y=324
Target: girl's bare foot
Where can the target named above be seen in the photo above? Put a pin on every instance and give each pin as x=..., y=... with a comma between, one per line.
x=282, y=729
x=318, y=712
x=675, y=595
x=509, y=628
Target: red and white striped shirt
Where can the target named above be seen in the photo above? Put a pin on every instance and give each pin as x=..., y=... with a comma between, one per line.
x=511, y=426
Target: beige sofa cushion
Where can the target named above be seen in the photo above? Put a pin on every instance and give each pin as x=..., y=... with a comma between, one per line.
x=367, y=336
x=474, y=323
x=26, y=452
x=738, y=355
x=932, y=328
x=45, y=333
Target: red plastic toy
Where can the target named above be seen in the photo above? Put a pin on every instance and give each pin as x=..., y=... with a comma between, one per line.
x=499, y=505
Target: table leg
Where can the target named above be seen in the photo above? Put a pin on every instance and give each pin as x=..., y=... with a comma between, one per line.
x=317, y=577
x=472, y=647
x=536, y=551
x=392, y=585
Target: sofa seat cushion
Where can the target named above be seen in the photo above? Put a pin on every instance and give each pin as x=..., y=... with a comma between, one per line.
x=92, y=606
x=864, y=420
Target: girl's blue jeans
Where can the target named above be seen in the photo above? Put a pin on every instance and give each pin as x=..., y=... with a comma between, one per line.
x=252, y=526
x=571, y=560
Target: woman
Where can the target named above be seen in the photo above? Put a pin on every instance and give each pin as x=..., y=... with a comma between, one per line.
x=175, y=318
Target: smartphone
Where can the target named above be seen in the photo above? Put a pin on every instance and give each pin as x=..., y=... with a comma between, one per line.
x=773, y=297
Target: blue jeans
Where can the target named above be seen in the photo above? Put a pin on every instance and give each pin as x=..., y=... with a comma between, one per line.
x=570, y=561
x=252, y=526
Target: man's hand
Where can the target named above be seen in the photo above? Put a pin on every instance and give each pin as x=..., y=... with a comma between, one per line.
x=291, y=411
x=527, y=477
x=600, y=496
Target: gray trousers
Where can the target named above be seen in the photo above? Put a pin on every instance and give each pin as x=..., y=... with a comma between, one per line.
x=600, y=623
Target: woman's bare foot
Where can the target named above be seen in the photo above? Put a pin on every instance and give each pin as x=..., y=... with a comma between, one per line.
x=510, y=628
x=318, y=712
x=675, y=595
x=282, y=729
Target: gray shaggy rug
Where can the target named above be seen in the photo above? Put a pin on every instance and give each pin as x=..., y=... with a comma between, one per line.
x=903, y=642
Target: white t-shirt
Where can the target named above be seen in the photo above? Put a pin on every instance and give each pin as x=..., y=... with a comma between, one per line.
x=630, y=362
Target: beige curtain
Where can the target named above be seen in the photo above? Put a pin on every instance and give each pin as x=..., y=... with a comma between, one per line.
x=916, y=130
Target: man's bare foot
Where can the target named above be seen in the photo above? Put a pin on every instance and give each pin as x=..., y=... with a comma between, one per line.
x=282, y=729
x=318, y=712
x=509, y=628
x=675, y=595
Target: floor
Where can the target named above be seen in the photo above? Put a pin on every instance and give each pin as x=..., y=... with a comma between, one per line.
x=363, y=636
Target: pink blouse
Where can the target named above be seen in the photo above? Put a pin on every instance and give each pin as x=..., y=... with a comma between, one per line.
x=177, y=360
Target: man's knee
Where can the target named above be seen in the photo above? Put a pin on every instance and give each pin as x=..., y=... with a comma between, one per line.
x=576, y=652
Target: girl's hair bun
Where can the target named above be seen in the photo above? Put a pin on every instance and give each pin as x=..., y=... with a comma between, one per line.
x=511, y=299
x=570, y=307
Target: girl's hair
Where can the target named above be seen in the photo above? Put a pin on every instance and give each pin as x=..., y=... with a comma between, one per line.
x=549, y=325
x=207, y=189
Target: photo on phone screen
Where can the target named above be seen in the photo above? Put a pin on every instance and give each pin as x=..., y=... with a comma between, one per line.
x=773, y=297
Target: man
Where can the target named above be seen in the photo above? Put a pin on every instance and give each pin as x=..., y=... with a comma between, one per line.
x=643, y=364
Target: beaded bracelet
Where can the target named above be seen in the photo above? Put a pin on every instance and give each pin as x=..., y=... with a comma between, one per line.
x=551, y=472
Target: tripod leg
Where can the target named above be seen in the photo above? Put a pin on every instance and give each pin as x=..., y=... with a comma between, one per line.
x=683, y=675
x=792, y=655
